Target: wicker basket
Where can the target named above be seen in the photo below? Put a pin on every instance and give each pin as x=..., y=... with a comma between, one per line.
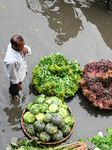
x=23, y=127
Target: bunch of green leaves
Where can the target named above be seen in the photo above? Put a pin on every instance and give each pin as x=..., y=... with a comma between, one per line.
x=26, y=144
x=105, y=142
x=56, y=76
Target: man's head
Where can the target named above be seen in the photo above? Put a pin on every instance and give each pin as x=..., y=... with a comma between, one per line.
x=17, y=43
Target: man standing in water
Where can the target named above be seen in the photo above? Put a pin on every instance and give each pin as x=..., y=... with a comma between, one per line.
x=15, y=64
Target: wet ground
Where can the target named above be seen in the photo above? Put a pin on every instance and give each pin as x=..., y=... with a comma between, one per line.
x=80, y=30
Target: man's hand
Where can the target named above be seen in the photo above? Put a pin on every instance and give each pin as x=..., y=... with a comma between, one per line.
x=24, y=50
x=19, y=87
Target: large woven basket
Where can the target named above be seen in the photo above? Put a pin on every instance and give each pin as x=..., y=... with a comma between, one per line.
x=23, y=127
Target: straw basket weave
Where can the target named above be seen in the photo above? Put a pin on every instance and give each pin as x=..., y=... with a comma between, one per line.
x=23, y=127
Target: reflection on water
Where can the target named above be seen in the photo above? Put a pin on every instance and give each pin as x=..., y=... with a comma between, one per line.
x=99, y=16
x=39, y=6
x=66, y=18
x=62, y=17
x=14, y=111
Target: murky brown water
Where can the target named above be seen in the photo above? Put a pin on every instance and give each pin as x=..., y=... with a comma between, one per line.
x=79, y=30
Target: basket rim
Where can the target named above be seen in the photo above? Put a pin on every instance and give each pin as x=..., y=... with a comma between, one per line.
x=50, y=143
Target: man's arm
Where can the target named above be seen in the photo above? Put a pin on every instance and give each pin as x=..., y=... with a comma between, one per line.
x=26, y=50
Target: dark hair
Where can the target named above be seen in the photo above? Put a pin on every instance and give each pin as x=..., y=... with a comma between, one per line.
x=15, y=39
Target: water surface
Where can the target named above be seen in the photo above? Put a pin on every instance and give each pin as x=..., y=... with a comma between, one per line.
x=79, y=30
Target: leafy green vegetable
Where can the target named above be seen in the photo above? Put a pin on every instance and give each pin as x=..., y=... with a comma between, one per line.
x=4, y=7
x=26, y=144
x=69, y=120
x=105, y=142
x=21, y=148
x=40, y=116
x=34, y=109
x=39, y=99
x=43, y=107
x=29, y=105
x=63, y=112
x=28, y=117
x=56, y=76
x=54, y=100
x=48, y=100
x=14, y=141
x=81, y=139
x=53, y=108
x=64, y=105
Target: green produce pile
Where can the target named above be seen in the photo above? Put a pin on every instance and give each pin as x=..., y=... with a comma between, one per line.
x=47, y=119
x=56, y=76
x=103, y=143
x=26, y=144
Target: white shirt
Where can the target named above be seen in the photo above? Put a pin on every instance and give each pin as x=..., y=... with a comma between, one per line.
x=15, y=64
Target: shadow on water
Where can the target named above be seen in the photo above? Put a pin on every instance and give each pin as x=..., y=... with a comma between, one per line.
x=87, y=105
x=62, y=17
x=32, y=90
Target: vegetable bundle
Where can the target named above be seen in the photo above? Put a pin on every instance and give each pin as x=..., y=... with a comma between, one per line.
x=103, y=143
x=48, y=119
x=96, y=83
x=56, y=76
x=26, y=144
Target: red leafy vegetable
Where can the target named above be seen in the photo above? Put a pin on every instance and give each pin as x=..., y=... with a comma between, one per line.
x=96, y=83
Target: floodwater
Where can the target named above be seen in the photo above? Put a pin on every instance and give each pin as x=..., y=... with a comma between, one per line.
x=80, y=30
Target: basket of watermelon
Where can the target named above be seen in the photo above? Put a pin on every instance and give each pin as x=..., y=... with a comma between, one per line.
x=47, y=120
x=96, y=83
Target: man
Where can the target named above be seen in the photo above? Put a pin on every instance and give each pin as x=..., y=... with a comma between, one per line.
x=15, y=64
